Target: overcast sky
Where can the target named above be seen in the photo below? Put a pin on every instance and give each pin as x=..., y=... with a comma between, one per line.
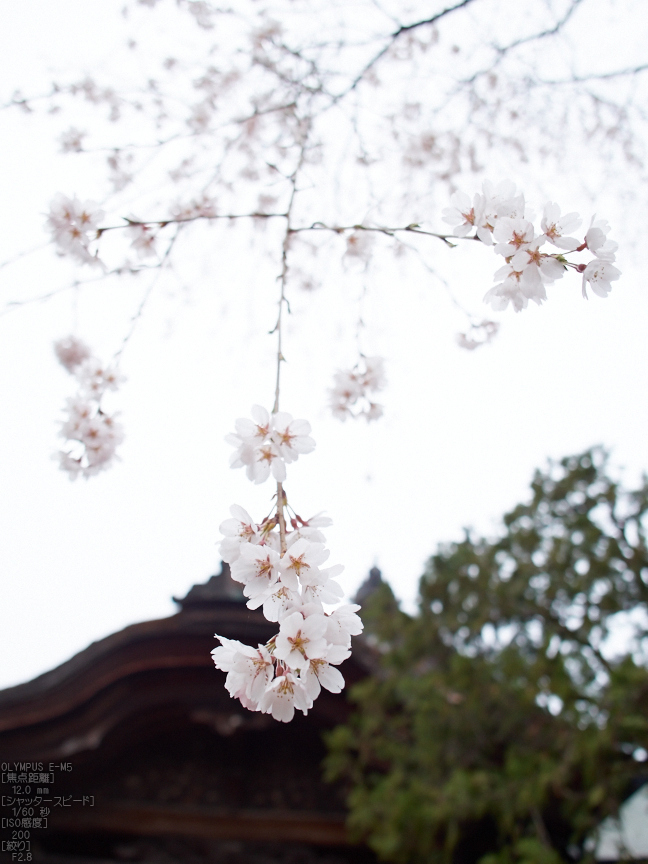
x=461, y=436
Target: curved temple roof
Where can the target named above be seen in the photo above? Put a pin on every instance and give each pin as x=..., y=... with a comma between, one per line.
x=152, y=734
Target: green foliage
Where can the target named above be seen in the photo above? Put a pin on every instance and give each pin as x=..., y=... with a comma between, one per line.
x=500, y=724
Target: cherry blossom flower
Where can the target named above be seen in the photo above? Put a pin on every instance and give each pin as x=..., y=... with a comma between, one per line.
x=143, y=241
x=265, y=444
x=500, y=214
x=92, y=433
x=359, y=245
x=352, y=388
x=95, y=379
x=74, y=226
x=497, y=201
x=237, y=530
x=278, y=562
x=71, y=352
x=596, y=235
x=461, y=214
x=374, y=378
x=600, y=274
x=300, y=563
x=249, y=670
x=529, y=258
x=254, y=431
x=556, y=226
x=501, y=199
x=309, y=528
x=291, y=437
x=283, y=695
x=512, y=235
x=345, y=393
x=342, y=624
x=325, y=589
x=199, y=207
x=72, y=140
x=266, y=460
x=97, y=436
x=517, y=287
x=479, y=334
x=69, y=464
x=607, y=252
x=257, y=567
x=320, y=673
x=300, y=639
x=277, y=601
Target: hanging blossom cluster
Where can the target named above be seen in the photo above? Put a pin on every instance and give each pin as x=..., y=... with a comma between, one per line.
x=350, y=395
x=279, y=563
x=92, y=434
x=500, y=218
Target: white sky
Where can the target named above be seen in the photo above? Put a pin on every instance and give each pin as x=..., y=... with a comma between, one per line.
x=461, y=436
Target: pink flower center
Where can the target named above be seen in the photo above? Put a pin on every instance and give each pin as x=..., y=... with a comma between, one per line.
x=297, y=564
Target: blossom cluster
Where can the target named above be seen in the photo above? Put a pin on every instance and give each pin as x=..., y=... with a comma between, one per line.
x=142, y=240
x=72, y=140
x=500, y=218
x=92, y=433
x=350, y=395
x=279, y=561
x=266, y=443
x=74, y=225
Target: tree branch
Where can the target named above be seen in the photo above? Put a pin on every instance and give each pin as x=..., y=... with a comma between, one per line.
x=404, y=28
x=543, y=33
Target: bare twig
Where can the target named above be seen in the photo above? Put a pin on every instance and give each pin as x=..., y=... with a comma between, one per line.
x=140, y=309
x=404, y=28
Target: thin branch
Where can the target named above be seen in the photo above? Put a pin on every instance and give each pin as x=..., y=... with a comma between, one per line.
x=162, y=223
x=140, y=309
x=284, y=270
x=404, y=28
x=540, y=827
x=414, y=228
x=502, y=50
x=11, y=305
x=473, y=320
x=596, y=76
x=390, y=232
x=23, y=254
x=281, y=503
x=551, y=31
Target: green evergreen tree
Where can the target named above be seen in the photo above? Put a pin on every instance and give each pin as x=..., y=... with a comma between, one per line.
x=501, y=725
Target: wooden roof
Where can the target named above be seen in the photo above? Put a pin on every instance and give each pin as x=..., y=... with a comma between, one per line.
x=170, y=758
